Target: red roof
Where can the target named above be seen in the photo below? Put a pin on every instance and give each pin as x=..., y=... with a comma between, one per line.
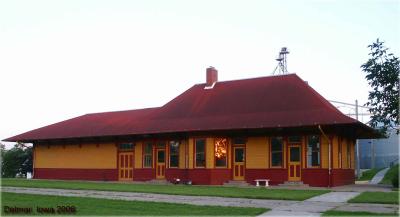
x=265, y=102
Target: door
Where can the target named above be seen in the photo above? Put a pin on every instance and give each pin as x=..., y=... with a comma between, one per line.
x=238, y=163
x=294, y=163
x=160, y=164
x=125, y=166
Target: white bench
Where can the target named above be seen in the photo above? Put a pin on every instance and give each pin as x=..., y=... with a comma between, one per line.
x=262, y=180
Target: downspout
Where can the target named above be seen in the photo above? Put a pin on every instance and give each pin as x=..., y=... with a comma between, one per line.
x=329, y=155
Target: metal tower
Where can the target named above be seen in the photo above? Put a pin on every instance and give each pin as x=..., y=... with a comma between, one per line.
x=281, y=68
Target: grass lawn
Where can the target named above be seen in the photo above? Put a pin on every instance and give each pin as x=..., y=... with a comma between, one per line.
x=256, y=193
x=346, y=213
x=94, y=206
x=387, y=179
x=369, y=174
x=377, y=197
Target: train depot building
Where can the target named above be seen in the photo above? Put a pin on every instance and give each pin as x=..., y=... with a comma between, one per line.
x=275, y=127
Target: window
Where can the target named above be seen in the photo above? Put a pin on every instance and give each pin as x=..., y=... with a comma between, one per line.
x=161, y=156
x=200, y=147
x=276, y=151
x=125, y=146
x=173, y=154
x=239, y=155
x=221, y=146
x=295, y=154
x=148, y=155
x=313, y=151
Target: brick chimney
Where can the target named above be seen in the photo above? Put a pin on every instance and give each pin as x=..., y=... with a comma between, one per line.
x=211, y=77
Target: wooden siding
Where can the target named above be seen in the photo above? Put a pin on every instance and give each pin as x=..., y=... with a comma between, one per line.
x=324, y=152
x=138, y=155
x=84, y=156
x=190, y=154
x=99, y=162
x=182, y=150
x=335, y=152
x=209, y=152
x=345, y=164
x=257, y=153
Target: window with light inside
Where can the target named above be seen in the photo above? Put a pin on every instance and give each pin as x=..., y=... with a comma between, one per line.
x=220, y=150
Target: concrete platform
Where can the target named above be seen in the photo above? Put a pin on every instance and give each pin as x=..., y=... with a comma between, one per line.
x=311, y=207
x=334, y=197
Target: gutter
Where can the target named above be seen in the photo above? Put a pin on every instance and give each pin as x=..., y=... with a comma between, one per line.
x=329, y=155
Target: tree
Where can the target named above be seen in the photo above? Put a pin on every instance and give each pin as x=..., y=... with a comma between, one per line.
x=382, y=71
x=17, y=160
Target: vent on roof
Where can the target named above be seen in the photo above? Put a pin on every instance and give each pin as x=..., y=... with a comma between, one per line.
x=211, y=77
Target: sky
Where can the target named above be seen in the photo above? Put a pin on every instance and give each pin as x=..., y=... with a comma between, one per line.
x=61, y=59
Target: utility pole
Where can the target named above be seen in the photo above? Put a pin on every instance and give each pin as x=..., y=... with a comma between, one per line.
x=357, y=147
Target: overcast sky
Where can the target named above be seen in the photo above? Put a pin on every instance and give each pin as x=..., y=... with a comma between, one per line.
x=61, y=59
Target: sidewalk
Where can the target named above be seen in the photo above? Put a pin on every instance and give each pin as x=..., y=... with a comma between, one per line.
x=379, y=176
x=311, y=207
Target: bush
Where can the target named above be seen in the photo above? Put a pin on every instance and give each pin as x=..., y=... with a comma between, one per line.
x=389, y=176
x=395, y=179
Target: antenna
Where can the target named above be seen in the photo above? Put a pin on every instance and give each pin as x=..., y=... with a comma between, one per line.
x=281, y=68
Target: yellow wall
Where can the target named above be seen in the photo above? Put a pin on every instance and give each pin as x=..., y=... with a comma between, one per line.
x=104, y=157
x=229, y=149
x=210, y=153
x=191, y=149
x=138, y=154
x=324, y=152
x=335, y=152
x=344, y=154
x=352, y=148
x=257, y=153
x=71, y=156
x=182, y=154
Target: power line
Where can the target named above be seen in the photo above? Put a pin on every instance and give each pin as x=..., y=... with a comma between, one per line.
x=353, y=105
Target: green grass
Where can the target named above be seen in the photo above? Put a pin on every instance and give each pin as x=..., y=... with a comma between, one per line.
x=369, y=174
x=387, y=179
x=94, y=206
x=377, y=197
x=347, y=213
x=255, y=193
